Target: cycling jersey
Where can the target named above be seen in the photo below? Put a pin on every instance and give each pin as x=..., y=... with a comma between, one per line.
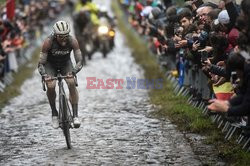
x=59, y=55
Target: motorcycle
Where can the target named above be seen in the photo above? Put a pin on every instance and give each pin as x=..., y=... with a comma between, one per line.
x=105, y=37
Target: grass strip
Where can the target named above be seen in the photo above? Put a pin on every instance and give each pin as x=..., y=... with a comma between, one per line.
x=173, y=107
x=25, y=71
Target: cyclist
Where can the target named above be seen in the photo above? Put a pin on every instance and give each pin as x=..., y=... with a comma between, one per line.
x=55, y=55
x=91, y=7
x=91, y=21
x=81, y=24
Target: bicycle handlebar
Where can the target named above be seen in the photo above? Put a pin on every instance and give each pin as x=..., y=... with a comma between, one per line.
x=59, y=77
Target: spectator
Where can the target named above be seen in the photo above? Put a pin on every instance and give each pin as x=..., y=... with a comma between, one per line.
x=16, y=34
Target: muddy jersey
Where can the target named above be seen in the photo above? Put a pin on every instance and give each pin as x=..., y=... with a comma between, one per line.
x=59, y=55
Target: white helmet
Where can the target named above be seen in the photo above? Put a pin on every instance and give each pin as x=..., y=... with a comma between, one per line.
x=61, y=28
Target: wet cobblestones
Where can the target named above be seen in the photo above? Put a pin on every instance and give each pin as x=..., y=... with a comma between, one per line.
x=116, y=128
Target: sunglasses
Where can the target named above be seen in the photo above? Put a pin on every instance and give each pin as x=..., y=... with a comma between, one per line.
x=63, y=36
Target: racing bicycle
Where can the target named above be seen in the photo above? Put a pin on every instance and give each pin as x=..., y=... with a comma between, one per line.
x=65, y=113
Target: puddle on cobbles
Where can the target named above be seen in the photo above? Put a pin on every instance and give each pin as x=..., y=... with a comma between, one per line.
x=116, y=127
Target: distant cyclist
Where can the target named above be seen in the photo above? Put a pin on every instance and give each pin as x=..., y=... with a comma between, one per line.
x=91, y=7
x=55, y=55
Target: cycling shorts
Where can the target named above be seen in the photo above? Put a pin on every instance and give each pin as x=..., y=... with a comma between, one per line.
x=52, y=71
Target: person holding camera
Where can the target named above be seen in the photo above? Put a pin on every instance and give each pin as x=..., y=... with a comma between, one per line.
x=239, y=62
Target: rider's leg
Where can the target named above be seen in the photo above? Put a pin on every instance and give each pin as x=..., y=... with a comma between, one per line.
x=51, y=94
x=75, y=110
x=73, y=95
x=51, y=85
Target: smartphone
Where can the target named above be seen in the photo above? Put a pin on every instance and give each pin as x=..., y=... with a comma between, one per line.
x=204, y=56
x=195, y=38
x=233, y=77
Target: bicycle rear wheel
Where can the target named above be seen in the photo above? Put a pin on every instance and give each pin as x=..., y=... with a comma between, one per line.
x=65, y=122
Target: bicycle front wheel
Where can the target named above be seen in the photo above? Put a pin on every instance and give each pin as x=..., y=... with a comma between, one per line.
x=65, y=122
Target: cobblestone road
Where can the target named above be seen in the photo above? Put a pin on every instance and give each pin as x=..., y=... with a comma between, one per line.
x=116, y=127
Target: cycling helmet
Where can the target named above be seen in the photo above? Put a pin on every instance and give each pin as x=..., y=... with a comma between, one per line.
x=61, y=28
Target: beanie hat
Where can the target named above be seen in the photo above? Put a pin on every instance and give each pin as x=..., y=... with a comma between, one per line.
x=223, y=18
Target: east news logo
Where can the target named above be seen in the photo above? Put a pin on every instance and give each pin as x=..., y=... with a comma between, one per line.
x=130, y=83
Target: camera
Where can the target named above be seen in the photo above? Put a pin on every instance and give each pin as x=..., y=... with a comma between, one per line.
x=195, y=38
x=204, y=56
x=203, y=38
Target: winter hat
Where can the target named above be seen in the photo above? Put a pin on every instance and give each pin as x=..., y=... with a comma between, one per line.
x=223, y=18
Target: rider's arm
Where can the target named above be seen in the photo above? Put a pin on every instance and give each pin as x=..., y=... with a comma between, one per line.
x=77, y=55
x=43, y=56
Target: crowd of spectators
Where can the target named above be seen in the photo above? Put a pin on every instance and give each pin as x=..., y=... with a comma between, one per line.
x=207, y=44
x=19, y=32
